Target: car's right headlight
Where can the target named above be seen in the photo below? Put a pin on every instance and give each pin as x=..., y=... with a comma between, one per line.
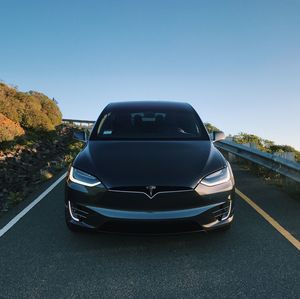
x=80, y=177
x=216, y=178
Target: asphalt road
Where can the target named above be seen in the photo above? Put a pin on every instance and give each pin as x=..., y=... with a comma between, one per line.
x=41, y=258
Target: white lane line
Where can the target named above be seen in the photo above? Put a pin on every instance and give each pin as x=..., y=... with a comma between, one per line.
x=12, y=222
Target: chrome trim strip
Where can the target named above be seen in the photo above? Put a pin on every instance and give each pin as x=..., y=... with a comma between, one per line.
x=151, y=197
x=229, y=211
x=211, y=224
x=71, y=214
x=152, y=215
x=217, y=223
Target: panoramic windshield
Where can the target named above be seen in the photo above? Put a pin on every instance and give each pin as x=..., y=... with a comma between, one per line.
x=149, y=124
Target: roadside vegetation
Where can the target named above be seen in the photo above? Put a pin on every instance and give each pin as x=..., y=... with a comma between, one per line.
x=269, y=176
x=34, y=144
x=211, y=128
x=26, y=110
x=265, y=145
x=261, y=144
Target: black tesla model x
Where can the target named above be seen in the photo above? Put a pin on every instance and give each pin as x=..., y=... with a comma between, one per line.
x=149, y=167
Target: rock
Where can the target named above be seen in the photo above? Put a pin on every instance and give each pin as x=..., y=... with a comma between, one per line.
x=46, y=174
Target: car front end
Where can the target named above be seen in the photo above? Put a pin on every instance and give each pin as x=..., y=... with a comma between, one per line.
x=208, y=206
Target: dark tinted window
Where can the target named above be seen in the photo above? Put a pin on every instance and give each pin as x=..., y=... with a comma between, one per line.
x=149, y=124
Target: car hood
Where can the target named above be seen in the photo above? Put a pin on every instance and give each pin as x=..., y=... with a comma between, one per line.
x=143, y=163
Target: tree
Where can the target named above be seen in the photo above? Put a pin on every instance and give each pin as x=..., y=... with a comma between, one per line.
x=211, y=128
x=243, y=138
x=265, y=145
x=32, y=110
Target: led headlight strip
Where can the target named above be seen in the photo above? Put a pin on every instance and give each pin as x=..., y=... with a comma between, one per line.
x=217, y=178
x=83, y=178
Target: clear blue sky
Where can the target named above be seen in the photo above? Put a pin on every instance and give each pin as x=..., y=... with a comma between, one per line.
x=237, y=62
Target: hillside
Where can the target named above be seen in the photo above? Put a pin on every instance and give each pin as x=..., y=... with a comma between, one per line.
x=26, y=111
x=9, y=129
x=34, y=145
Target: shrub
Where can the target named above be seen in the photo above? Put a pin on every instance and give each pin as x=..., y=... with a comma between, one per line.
x=9, y=104
x=33, y=119
x=211, y=128
x=9, y=129
x=32, y=110
x=50, y=108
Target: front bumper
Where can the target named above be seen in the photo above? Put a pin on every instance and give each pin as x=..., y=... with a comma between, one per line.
x=102, y=210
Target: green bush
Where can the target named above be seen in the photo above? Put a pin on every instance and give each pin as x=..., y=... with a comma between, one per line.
x=50, y=108
x=32, y=110
x=211, y=128
x=33, y=119
x=9, y=103
x=265, y=145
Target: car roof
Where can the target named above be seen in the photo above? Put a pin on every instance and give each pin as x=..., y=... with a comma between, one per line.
x=148, y=105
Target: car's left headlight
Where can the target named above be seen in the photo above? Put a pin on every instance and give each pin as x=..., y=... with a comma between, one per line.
x=217, y=178
x=80, y=177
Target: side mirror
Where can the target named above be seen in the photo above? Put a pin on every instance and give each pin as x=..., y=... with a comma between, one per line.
x=80, y=136
x=218, y=136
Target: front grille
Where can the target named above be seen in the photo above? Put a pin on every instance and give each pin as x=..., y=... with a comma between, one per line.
x=155, y=190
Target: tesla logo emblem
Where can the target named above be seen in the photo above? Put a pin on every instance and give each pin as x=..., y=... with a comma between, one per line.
x=151, y=189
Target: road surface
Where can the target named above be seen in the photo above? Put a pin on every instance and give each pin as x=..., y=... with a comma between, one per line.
x=41, y=258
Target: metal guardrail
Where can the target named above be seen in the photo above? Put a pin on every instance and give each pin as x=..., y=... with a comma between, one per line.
x=277, y=164
x=78, y=121
x=282, y=166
